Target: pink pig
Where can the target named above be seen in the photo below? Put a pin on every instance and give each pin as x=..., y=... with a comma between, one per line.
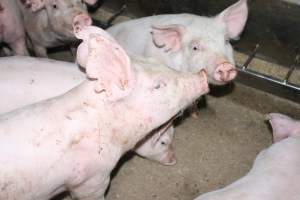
x=12, y=30
x=187, y=42
x=27, y=80
x=276, y=170
x=73, y=141
x=49, y=23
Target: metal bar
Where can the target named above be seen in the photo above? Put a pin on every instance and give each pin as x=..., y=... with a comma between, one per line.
x=251, y=56
x=269, y=84
x=291, y=69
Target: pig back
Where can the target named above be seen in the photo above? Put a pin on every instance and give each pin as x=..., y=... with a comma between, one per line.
x=32, y=74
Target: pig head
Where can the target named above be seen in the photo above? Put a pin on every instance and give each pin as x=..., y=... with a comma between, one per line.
x=157, y=146
x=151, y=79
x=187, y=42
x=283, y=126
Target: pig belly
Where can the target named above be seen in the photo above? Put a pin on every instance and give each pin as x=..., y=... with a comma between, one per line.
x=24, y=77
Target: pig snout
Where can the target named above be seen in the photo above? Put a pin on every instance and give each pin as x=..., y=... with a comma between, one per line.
x=225, y=72
x=81, y=21
x=169, y=158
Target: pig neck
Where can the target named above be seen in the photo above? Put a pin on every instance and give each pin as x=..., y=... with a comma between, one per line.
x=123, y=122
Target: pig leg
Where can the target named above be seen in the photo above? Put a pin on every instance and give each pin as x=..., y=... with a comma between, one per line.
x=93, y=189
x=40, y=51
x=19, y=47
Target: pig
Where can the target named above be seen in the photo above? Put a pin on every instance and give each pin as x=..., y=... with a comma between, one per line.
x=73, y=141
x=49, y=23
x=27, y=80
x=12, y=30
x=187, y=42
x=276, y=170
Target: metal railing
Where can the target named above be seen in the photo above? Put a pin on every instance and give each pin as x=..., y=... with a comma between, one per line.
x=267, y=83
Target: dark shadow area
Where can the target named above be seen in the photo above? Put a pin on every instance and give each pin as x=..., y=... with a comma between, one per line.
x=221, y=90
x=94, y=8
x=61, y=196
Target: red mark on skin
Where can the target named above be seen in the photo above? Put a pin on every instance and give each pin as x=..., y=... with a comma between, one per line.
x=1, y=8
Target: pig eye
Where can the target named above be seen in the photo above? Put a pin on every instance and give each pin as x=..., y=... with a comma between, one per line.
x=157, y=86
x=197, y=47
x=160, y=84
x=162, y=143
x=54, y=6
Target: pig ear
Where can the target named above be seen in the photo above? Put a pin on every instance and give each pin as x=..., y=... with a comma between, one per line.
x=168, y=37
x=283, y=126
x=108, y=64
x=34, y=5
x=90, y=2
x=235, y=18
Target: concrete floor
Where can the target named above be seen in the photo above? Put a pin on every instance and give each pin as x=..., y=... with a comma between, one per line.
x=212, y=150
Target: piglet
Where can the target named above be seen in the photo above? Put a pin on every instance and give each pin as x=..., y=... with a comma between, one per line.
x=187, y=42
x=276, y=170
x=49, y=23
x=27, y=80
x=73, y=141
x=12, y=30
